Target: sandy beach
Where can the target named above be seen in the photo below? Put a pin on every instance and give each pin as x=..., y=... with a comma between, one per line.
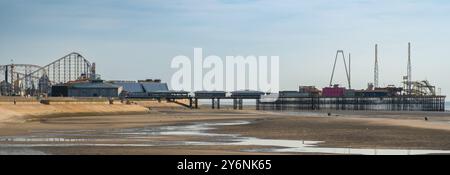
x=206, y=131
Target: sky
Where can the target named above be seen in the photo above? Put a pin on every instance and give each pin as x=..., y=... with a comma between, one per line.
x=137, y=39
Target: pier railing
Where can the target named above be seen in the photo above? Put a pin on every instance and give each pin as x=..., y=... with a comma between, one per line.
x=397, y=103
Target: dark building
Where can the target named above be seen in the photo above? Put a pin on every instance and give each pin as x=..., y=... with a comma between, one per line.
x=142, y=89
x=210, y=94
x=95, y=88
x=59, y=90
x=371, y=93
x=293, y=94
x=247, y=94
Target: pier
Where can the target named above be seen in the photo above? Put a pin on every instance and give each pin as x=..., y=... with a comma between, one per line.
x=399, y=103
x=296, y=102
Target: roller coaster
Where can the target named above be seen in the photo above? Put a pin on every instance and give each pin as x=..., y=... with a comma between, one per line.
x=32, y=80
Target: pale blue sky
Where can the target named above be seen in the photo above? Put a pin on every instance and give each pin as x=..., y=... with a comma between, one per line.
x=137, y=39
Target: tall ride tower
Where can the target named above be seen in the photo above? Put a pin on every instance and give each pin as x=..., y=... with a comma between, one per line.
x=409, y=70
x=347, y=72
x=375, y=71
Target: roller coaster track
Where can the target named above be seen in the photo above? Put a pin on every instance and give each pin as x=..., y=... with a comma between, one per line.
x=67, y=68
x=428, y=86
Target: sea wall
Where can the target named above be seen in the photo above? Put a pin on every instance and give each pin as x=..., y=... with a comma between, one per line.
x=23, y=112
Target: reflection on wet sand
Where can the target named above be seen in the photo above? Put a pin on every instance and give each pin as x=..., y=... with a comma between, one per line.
x=148, y=137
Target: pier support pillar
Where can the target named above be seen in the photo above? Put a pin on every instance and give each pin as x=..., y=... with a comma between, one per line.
x=196, y=103
x=218, y=103
x=240, y=104
x=258, y=101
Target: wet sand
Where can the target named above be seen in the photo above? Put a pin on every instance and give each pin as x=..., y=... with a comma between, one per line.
x=351, y=131
x=393, y=130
